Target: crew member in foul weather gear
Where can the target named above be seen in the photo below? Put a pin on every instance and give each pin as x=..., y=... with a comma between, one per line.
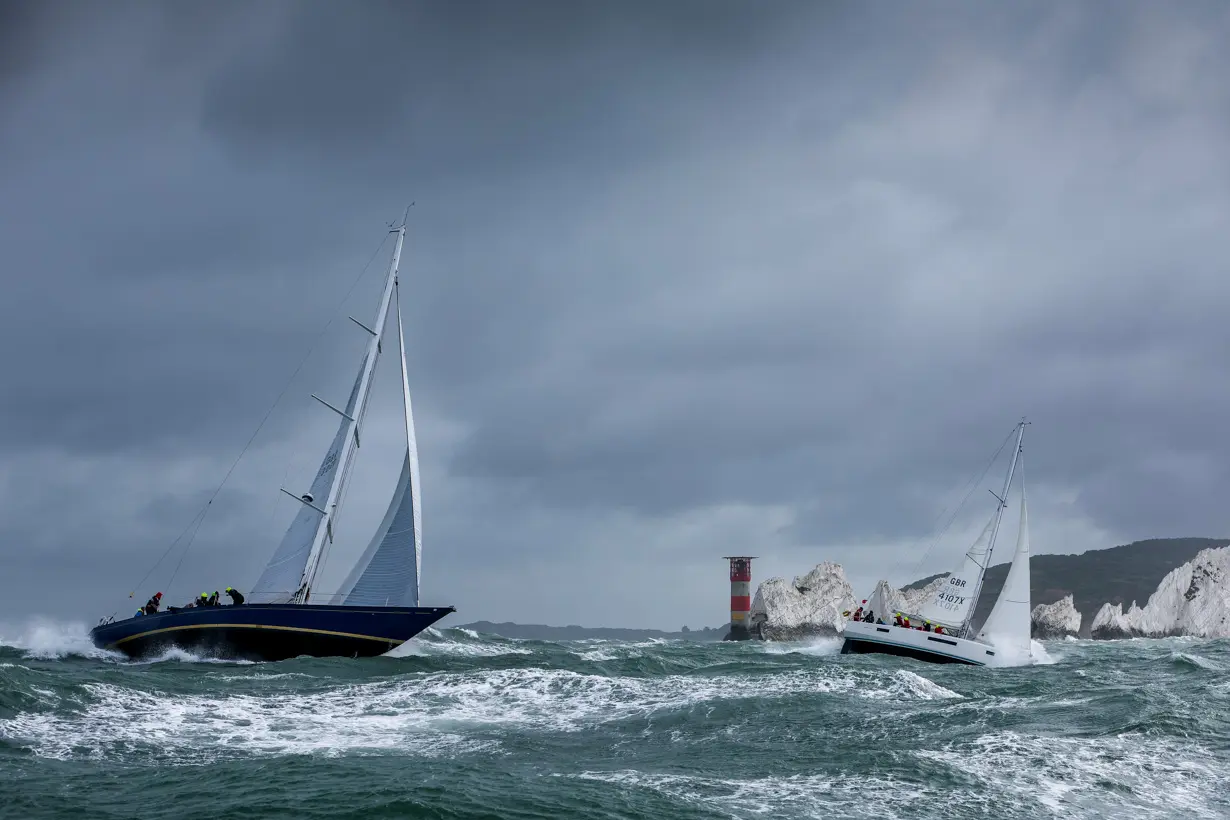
x=236, y=596
x=203, y=600
x=151, y=606
x=213, y=599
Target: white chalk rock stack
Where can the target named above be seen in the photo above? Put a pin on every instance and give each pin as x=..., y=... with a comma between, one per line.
x=1193, y=600
x=808, y=606
x=1057, y=620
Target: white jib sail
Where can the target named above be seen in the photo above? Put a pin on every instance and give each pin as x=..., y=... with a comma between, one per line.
x=1008, y=626
x=956, y=597
x=389, y=571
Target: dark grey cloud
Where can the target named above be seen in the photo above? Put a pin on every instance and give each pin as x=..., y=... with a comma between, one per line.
x=681, y=279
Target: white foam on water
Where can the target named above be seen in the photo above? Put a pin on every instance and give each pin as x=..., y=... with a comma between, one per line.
x=1197, y=660
x=1040, y=656
x=919, y=687
x=853, y=795
x=813, y=646
x=1127, y=776
x=444, y=647
x=195, y=729
x=176, y=655
x=420, y=714
x=596, y=655
x=261, y=676
x=45, y=639
x=1009, y=656
x=1132, y=775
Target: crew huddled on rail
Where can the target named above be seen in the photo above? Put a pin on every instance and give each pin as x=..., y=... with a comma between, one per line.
x=899, y=619
x=904, y=621
x=868, y=617
x=204, y=600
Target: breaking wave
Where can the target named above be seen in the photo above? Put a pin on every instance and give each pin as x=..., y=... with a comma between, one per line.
x=497, y=727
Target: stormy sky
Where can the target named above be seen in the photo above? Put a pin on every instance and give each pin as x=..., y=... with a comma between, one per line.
x=681, y=280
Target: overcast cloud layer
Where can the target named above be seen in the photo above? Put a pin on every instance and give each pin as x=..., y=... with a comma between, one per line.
x=682, y=280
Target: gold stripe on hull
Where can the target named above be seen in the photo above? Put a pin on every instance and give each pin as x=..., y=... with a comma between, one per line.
x=257, y=626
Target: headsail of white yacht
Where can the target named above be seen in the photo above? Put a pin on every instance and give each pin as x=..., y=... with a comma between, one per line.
x=1008, y=625
x=954, y=600
x=954, y=604
x=388, y=572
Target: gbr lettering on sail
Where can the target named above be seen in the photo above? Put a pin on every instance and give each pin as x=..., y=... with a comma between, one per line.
x=954, y=594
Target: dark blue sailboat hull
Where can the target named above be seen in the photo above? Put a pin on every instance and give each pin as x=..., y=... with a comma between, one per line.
x=269, y=632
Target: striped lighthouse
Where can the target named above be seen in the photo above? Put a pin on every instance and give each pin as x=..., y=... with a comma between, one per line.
x=740, y=596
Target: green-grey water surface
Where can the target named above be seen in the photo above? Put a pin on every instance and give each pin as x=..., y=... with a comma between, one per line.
x=460, y=725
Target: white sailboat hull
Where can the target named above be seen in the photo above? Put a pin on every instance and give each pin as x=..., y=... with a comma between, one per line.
x=888, y=639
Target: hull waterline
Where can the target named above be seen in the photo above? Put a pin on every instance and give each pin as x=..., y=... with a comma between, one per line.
x=269, y=632
x=887, y=639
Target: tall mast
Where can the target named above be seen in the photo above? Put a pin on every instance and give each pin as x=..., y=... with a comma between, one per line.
x=328, y=510
x=999, y=516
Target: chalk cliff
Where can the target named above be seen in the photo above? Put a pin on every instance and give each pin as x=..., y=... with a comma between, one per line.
x=1057, y=620
x=1193, y=599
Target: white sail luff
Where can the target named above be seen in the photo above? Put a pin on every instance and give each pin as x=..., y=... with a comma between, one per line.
x=412, y=453
x=352, y=425
x=1008, y=625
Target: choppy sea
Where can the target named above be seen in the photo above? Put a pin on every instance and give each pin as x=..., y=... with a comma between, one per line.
x=461, y=725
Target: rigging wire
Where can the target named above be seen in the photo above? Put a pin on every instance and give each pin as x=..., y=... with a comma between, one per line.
x=972, y=485
x=200, y=516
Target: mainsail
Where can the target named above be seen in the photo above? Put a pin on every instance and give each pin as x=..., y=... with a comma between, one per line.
x=281, y=575
x=1008, y=625
x=953, y=601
